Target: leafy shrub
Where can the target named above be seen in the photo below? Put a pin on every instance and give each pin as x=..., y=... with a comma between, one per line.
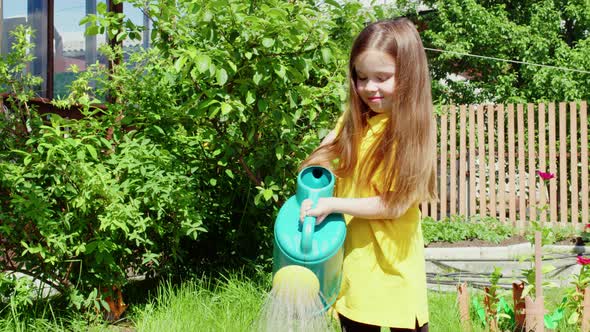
x=194, y=149
x=459, y=228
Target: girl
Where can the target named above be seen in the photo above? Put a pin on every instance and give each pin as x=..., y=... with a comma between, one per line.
x=382, y=152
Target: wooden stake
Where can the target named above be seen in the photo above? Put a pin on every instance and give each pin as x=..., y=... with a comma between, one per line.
x=539, y=282
x=530, y=314
x=519, y=306
x=586, y=311
x=463, y=299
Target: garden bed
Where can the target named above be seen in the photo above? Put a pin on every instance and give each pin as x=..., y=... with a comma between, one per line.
x=474, y=261
x=516, y=239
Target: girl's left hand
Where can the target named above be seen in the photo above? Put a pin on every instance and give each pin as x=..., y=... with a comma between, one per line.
x=322, y=209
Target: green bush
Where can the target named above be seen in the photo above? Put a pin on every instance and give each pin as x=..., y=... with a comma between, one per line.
x=194, y=150
x=459, y=228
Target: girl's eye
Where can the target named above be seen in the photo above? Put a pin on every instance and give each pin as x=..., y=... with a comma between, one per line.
x=382, y=78
x=360, y=78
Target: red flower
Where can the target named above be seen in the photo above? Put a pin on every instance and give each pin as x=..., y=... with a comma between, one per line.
x=583, y=260
x=545, y=175
x=587, y=226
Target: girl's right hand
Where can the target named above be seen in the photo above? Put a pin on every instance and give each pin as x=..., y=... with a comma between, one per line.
x=322, y=209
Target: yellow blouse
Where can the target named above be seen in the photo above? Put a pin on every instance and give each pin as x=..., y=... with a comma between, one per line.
x=383, y=273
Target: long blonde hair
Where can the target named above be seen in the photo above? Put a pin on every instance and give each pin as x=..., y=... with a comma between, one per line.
x=406, y=147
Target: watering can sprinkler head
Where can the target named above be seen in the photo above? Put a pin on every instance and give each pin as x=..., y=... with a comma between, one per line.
x=296, y=275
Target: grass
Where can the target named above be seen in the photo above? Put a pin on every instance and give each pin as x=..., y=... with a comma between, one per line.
x=227, y=304
x=231, y=304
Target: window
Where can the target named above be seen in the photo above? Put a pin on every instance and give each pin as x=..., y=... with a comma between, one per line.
x=32, y=13
x=137, y=16
x=71, y=46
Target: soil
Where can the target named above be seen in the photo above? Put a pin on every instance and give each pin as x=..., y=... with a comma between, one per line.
x=510, y=241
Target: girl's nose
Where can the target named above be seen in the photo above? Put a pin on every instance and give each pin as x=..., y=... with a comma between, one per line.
x=371, y=85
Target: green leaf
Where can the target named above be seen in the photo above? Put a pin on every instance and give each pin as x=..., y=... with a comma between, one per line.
x=92, y=152
x=326, y=55
x=262, y=105
x=267, y=194
x=481, y=314
x=250, y=97
x=268, y=42
x=551, y=320
x=257, y=78
x=573, y=319
x=221, y=76
x=280, y=71
x=229, y=173
x=92, y=30
x=179, y=63
x=101, y=8
x=203, y=62
x=279, y=152
x=225, y=108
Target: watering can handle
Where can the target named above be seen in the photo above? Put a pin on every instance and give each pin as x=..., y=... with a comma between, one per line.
x=308, y=227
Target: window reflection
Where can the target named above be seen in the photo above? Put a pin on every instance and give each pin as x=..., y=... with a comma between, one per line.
x=137, y=16
x=71, y=46
x=32, y=13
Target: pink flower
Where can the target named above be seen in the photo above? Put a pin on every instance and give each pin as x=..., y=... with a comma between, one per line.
x=545, y=175
x=583, y=260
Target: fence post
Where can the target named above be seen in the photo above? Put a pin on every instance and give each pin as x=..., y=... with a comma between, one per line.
x=463, y=299
x=586, y=311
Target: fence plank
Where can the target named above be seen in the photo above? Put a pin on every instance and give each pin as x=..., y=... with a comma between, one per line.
x=501, y=165
x=552, y=165
x=491, y=160
x=434, y=203
x=542, y=163
x=532, y=206
x=499, y=151
x=521, y=169
x=511, y=166
x=443, y=163
x=584, y=158
x=563, y=199
x=574, y=161
x=453, y=161
x=472, y=156
x=462, y=163
x=481, y=161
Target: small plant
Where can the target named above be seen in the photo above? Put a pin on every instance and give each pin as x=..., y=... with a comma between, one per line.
x=529, y=278
x=459, y=228
x=548, y=234
x=573, y=301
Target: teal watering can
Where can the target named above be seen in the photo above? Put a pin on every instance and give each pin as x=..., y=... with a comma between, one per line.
x=315, y=247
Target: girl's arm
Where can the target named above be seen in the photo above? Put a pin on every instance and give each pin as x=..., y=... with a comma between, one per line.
x=366, y=208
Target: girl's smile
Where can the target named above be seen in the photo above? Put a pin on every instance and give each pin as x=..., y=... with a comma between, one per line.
x=375, y=79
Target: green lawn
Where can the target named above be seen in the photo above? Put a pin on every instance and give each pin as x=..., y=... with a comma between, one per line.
x=229, y=304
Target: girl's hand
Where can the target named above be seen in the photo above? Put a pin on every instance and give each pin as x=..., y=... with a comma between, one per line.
x=321, y=211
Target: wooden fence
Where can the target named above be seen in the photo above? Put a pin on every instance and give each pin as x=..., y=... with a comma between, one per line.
x=488, y=156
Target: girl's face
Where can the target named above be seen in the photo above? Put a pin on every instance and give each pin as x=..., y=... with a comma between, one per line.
x=375, y=79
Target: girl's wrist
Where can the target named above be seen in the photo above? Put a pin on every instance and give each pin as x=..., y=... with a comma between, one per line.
x=332, y=204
